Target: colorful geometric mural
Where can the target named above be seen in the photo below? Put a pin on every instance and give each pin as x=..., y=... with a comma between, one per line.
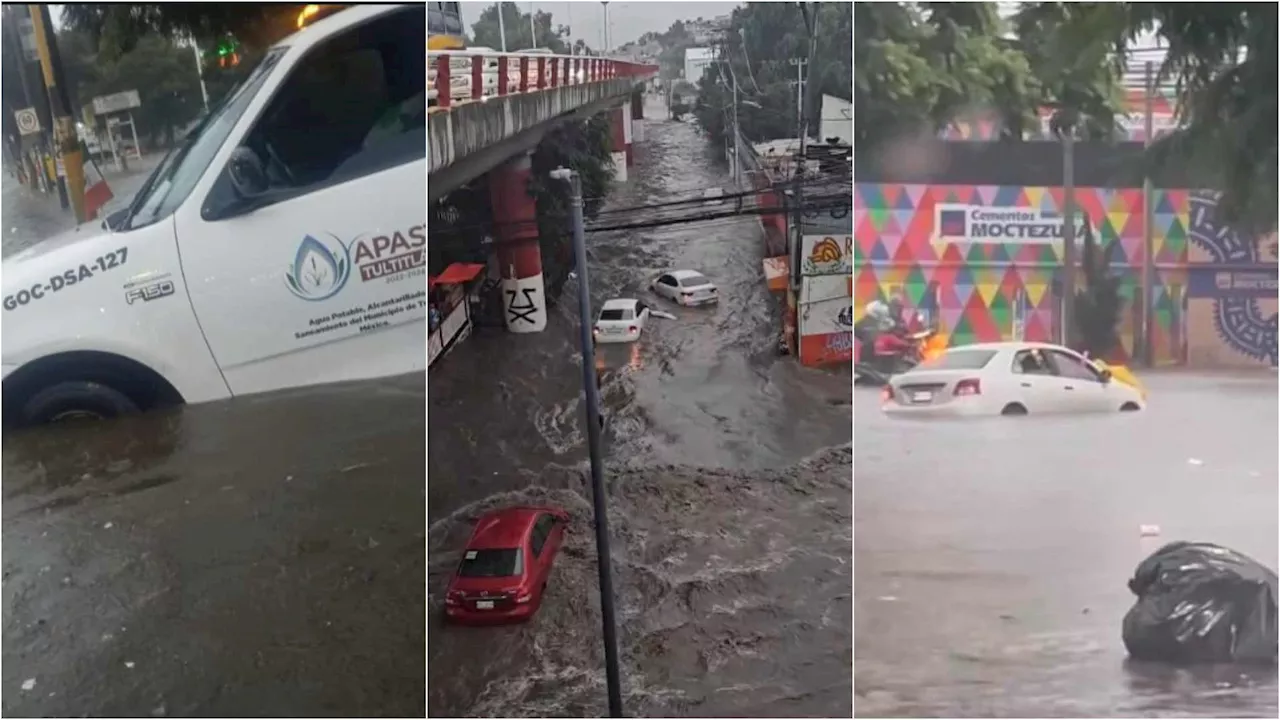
x=974, y=285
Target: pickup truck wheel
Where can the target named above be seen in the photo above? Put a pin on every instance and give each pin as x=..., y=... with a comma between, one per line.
x=75, y=400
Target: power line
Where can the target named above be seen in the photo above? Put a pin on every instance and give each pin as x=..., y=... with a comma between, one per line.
x=819, y=203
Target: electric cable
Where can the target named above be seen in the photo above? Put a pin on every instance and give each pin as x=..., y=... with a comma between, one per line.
x=817, y=181
x=841, y=206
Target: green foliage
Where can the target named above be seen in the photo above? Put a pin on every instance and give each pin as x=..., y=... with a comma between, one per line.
x=487, y=33
x=117, y=28
x=1098, y=304
x=759, y=45
x=584, y=147
x=918, y=68
x=163, y=73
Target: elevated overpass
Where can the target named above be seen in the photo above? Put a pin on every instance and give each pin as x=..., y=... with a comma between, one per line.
x=487, y=112
x=501, y=105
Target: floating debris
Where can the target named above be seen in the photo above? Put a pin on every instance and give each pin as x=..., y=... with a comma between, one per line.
x=29, y=684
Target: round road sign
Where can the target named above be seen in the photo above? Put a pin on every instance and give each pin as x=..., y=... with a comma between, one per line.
x=28, y=122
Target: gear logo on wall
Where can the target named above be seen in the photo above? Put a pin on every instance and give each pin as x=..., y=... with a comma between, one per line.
x=1239, y=321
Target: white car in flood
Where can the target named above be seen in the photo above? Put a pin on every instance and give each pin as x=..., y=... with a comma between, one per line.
x=1012, y=378
x=281, y=243
x=621, y=321
x=686, y=287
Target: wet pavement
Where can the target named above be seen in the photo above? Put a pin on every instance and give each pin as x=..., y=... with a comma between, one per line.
x=259, y=557
x=31, y=216
x=992, y=555
x=728, y=504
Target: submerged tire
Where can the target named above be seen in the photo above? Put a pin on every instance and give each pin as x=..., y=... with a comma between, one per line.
x=1014, y=408
x=76, y=399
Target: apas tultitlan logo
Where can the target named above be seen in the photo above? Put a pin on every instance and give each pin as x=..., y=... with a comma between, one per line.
x=320, y=269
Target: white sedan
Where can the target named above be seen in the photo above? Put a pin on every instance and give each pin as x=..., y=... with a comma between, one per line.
x=686, y=287
x=1010, y=378
x=621, y=321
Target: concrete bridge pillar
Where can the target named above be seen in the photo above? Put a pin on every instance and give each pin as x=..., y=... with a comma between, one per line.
x=515, y=216
x=620, y=135
x=637, y=119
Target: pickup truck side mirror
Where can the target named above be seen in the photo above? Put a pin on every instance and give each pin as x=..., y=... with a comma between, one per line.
x=1106, y=375
x=247, y=174
x=112, y=221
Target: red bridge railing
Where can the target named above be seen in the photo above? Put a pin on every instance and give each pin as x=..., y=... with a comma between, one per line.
x=459, y=76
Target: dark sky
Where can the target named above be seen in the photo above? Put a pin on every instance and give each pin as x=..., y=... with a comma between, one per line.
x=629, y=20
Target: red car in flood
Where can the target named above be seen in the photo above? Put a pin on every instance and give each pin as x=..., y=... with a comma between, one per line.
x=505, y=566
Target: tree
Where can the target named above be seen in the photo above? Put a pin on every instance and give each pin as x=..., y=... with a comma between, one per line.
x=584, y=147
x=1098, y=303
x=163, y=73
x=761, y=40
x=1222, y=59
x=117, y=28
x=487, y=33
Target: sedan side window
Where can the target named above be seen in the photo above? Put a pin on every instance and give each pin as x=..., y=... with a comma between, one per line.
x=1073, y=367
x=541, y=531
x=668, y=280
x=1031, y=362
x=355, y=105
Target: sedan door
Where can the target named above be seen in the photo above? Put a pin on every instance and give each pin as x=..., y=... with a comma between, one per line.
x=1086, y=390
x=1036, y=385
x=667, y=287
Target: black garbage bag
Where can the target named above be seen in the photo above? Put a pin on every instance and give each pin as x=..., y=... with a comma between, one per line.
x=1202, y=603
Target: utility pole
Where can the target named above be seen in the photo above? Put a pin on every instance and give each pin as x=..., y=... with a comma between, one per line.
x=605, y=32
x=502, y=27
x=599, y=502
x=533, y=28
x=204, y=92
x=68, y=140
x=1066, y=331
x=1148, y=235
x=799, y=64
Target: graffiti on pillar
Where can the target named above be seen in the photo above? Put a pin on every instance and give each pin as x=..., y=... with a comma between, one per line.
x=1239, y=317
x=521, y=307
x=525, y=303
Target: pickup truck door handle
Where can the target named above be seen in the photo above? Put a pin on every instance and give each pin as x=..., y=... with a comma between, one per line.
x=1070, y=387
x=1026, y=384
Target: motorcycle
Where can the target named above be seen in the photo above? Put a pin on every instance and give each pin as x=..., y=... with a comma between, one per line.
x=875, y=370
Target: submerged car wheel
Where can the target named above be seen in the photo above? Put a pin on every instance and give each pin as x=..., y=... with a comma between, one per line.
x=76, y=400
x=1014, y=408
x=1130, y=407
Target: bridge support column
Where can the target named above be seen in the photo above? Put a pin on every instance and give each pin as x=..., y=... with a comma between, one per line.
x=515, y=215
x=619, y=132
x=637, y=119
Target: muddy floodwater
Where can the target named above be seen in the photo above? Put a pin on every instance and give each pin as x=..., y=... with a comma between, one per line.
x=992, y=556
x=260, y=557
x=729, y=488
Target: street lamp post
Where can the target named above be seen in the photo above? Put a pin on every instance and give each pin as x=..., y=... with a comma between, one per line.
x=533, y=28
x=599, y=502
x=502, y=27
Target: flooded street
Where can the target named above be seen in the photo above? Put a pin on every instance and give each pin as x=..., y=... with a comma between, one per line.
x=253, y=558
x=992, y=556
x=729, y=491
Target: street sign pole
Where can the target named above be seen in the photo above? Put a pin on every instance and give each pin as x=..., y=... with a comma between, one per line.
x=68, y=141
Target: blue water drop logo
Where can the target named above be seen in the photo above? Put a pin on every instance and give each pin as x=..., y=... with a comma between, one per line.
x=320, y=269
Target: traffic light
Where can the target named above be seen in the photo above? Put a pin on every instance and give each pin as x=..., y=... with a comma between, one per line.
x=228, y=52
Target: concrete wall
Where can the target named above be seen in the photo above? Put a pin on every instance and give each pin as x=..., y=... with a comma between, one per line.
x=469, y=139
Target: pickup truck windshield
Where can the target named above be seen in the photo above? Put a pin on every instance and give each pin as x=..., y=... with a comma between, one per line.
x=175, y=177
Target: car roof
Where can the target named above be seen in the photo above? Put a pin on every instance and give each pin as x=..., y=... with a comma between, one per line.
x=503, y=528
x=681, y=274
x=328, y=25
x=999, y=346
x=619, y=304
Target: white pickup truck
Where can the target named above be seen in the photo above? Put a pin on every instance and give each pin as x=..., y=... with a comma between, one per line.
x=282, y=243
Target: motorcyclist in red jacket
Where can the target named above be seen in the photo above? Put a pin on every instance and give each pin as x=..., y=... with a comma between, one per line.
x=893, y=342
